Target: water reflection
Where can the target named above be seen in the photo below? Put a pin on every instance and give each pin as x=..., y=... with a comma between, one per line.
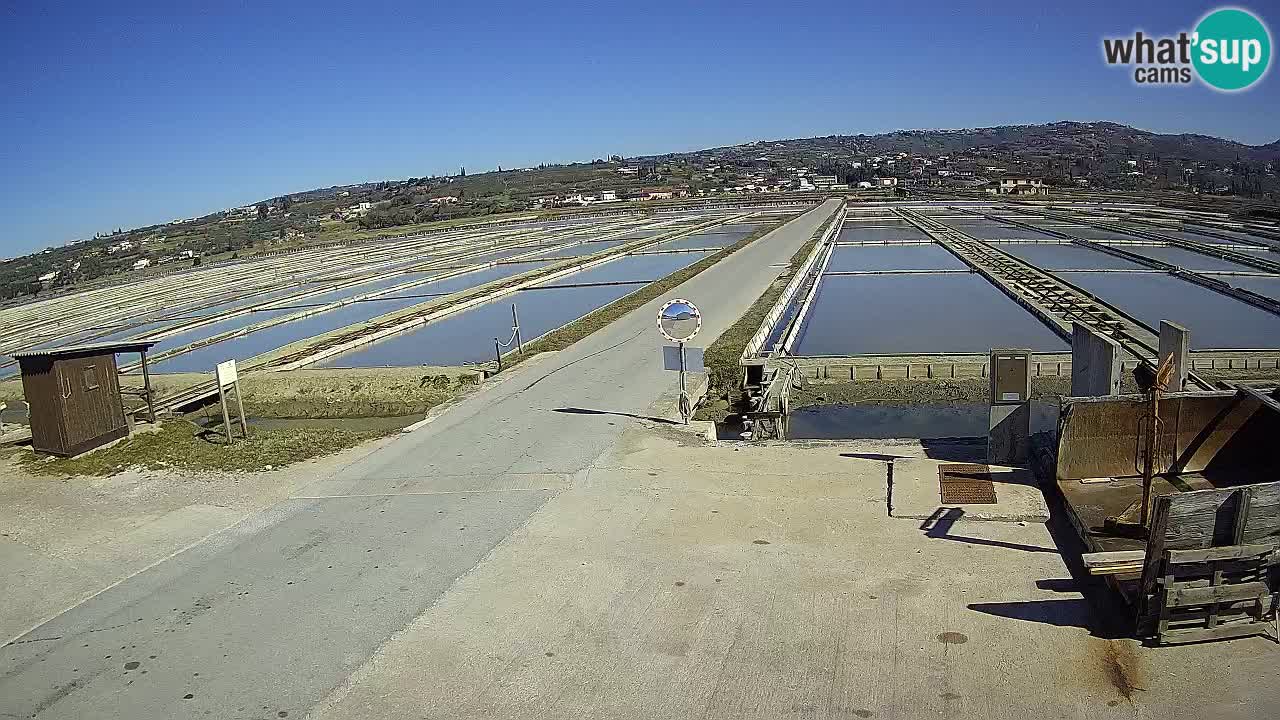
x=467, y=337
x=885, y=314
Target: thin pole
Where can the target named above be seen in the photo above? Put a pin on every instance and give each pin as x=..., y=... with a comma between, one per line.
x=515, y=321
x=683, y=415
x=244, y=425
x=1149, y=454
x=497, y=351
x=1158, y=385
x=146, y=389
x=226, y=419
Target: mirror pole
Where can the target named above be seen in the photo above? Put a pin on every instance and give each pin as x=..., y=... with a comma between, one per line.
x=684, y=415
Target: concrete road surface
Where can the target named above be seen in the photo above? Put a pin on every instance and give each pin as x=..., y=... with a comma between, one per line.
x=765, y=581
x=268, y=618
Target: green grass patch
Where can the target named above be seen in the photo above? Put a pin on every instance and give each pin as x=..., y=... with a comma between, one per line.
x=724, y=395
x=183, y=446
x=600, y=317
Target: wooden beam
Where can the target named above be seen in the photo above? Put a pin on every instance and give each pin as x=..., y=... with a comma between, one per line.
x=1124, y=557
x=146, y=389
x=1184, y=596
x=1133, y=569
x=1221, y=632
x=1213, y=554
x=1117, y=562
x=1258, y=395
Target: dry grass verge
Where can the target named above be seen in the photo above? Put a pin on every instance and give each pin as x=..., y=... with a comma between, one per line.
x=355, y=393
x=321, y=392
x=183, y=446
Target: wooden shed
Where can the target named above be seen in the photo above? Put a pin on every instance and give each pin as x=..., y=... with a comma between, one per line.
x=75, y=396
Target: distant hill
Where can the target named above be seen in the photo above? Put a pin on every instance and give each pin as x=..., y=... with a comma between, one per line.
x=328, y=193
x=1098, y=139
x=1096, y=155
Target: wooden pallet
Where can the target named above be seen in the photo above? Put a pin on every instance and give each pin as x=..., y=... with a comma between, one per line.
x=1214, y=594
x=1210, y=569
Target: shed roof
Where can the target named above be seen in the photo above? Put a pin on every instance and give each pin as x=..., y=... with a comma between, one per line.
x=130, y=346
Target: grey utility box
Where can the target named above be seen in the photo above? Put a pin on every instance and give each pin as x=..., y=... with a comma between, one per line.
x=1009, y=434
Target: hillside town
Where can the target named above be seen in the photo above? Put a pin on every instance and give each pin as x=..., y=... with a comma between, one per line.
x=1007, y=161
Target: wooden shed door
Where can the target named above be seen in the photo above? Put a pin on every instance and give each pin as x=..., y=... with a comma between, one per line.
x=40, y=384
x=91, y=398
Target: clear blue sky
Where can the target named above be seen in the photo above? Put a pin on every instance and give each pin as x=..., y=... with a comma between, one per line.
x=119, y=115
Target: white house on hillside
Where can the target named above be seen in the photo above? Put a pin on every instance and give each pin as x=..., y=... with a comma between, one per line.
x=1017, y=186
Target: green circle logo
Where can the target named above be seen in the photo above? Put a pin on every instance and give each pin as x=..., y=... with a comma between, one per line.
x=1232, y=49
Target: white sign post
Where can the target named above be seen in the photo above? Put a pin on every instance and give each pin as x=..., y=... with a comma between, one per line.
x=679, y=321
x=227, y=377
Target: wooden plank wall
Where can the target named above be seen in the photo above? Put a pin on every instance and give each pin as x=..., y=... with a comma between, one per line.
x=91, y=410
x=40, y=387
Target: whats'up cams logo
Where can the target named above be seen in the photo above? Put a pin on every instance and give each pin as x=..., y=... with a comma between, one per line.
x=1229, y=50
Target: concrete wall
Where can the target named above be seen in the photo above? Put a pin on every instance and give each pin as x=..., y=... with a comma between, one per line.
x=1175, y=341
x=1095, y=363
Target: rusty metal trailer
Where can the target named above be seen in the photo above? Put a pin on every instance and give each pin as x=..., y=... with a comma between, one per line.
x=1207, y=567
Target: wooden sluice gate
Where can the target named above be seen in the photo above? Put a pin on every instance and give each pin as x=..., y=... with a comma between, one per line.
x=1205, y=565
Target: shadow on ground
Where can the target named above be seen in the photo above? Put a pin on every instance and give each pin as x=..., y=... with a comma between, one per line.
x=881, y=457
x=956, y=449
x=1098, y=610
x=1060, y=613
x=939, y=526
x=586, y=411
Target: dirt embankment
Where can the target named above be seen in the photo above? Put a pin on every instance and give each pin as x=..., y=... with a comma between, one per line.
x=343, y=393
x=912, y=392
x=945, y=390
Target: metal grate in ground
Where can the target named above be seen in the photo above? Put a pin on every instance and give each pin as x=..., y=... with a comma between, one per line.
x=966, y=484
